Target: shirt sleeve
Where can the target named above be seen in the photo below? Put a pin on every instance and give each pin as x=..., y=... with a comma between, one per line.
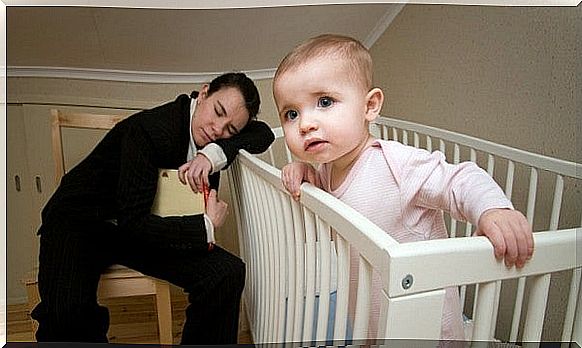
x=215, y=155
x=464, y=190
x=136, y=190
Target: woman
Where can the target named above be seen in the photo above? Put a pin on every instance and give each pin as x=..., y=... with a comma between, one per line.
x=100, y=215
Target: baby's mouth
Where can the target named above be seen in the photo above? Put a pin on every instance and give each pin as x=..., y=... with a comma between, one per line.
x=314, y=144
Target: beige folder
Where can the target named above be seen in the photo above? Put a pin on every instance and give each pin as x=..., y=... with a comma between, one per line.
x=174, y=198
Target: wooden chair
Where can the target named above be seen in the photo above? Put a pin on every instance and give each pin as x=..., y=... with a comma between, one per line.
x=118, y=281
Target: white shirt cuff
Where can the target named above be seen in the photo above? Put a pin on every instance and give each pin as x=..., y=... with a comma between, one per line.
x=215, y=155
x=209, y=230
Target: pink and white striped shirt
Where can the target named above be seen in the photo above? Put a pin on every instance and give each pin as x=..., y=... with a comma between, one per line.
x=404, y=190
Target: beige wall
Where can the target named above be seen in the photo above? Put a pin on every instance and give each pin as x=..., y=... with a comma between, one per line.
x=506, y=74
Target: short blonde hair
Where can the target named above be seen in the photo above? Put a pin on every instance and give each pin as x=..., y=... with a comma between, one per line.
x=353, y=52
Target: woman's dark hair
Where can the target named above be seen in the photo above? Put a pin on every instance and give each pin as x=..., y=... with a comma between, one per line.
x=245, y=85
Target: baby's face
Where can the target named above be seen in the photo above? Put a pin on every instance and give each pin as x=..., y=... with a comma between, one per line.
x=322, y=110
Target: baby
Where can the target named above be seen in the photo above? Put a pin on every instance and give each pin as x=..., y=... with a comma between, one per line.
x=325, y=101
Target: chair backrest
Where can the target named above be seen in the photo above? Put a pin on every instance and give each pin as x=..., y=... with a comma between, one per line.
x=62, y=119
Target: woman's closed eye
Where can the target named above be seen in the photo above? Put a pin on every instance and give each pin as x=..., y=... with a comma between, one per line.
x=325, y=102
x=218, y=112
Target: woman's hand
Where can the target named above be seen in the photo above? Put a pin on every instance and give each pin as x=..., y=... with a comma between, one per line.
x=195, y=173
x=216, y=209
x=295, y=173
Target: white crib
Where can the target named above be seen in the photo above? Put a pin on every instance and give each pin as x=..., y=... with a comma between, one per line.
x=294, y=280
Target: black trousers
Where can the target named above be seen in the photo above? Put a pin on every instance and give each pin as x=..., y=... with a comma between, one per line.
x=73, y=256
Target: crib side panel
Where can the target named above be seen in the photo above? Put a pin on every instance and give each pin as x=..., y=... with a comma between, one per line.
x=300, y=255
x=545, y=189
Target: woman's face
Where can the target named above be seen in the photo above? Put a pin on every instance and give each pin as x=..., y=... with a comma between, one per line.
x=219, y=115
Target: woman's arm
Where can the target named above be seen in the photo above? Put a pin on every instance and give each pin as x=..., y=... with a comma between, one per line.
x=135, y=194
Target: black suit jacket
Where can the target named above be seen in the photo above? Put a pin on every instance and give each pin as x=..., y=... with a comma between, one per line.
x=118, y=179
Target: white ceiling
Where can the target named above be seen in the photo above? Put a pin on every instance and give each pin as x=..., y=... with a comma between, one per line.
x=178, y=41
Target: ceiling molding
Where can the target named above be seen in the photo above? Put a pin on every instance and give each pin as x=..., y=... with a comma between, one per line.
x=126, y=76
x=226, y=4
x=382, y=25
x=188, y=4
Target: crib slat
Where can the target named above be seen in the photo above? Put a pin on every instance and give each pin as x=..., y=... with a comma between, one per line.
x=571, y=308
x=490, y=164
x=472, y=158
x=557, y=203
x=310, y=262
x=343, y=278
x=509, y=179
x=442, y=147
x=482, y=316
x=299, y=230
x=237, y=177
x=269, y=276
x=324, y=277
x=428, y=143
x=267, y=257
x=282, y=267
x=291, y=260
x=404, y=137
x=271, y=156
x=416, y=140
x=276, y=325
x=394, y=134
x=252, y=248
x=531, y=202
x=261, y=296
x=577, y=326
x=363, y=299
x=456, y=160
x=517, y=309
x=536, y=310
x=273, y=260
x=495, y=308
x=531, y=198
x=468, y=232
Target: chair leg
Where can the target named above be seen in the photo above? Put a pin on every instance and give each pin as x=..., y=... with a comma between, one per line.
x=164, y=309
x=33, y=300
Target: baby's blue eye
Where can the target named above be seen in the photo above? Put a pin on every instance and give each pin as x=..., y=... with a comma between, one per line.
x=324, y=102
x=291, y=115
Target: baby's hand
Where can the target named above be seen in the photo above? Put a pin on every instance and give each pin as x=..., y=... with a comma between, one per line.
x=195, y=173
x=510, y=234
x=293, y=174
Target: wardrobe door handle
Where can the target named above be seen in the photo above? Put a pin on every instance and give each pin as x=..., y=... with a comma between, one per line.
x=38, y=184
x=17, y=183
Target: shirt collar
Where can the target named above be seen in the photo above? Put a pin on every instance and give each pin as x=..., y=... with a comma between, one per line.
x=192, y=146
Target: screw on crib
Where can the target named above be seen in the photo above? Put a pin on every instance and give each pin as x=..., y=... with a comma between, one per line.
x=407, y=281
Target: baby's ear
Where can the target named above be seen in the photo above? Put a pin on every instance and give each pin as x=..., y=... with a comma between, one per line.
x=374, y=100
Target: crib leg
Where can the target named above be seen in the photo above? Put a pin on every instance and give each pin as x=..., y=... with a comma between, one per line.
x=424, y=310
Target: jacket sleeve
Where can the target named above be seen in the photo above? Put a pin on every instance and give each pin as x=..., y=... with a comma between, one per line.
x=135, y=194
x=255, y=138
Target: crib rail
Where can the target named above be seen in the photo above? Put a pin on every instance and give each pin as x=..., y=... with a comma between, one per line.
x=539, y=174
x=281, y=241
x=297, y=256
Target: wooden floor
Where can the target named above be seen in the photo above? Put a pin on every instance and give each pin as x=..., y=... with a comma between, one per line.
x=133, y=320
